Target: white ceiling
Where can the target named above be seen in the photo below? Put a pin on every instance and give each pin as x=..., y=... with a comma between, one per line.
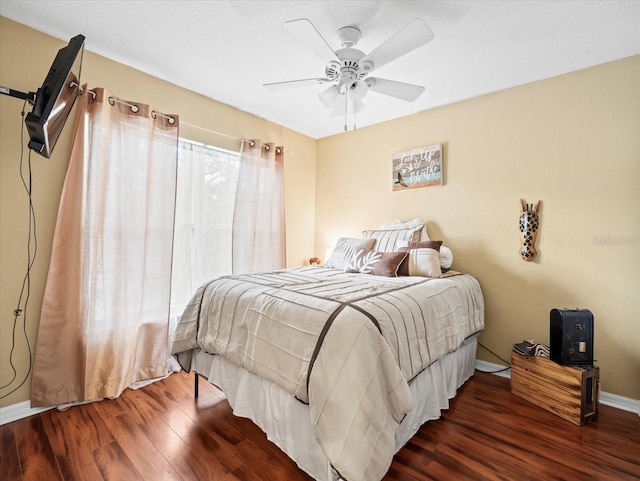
x=226, y=50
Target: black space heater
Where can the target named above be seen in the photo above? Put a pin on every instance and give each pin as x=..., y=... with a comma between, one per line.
x=571, y=336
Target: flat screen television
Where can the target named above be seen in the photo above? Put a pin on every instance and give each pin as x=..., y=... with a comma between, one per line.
x=55, y=98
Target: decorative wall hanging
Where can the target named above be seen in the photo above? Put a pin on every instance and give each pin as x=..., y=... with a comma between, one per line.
x=421, y=167
x=529, y=224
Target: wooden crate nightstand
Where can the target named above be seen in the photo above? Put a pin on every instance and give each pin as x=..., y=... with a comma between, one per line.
x=571, y=392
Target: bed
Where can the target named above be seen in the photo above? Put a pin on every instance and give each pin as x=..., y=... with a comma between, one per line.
x=339, y=369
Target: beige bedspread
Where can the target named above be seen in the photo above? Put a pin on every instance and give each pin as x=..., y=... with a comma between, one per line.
x=347, y=344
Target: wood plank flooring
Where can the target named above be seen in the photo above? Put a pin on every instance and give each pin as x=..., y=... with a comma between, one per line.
x=161, y=432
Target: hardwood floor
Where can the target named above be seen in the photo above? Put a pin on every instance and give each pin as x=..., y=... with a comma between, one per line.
x=161, y=432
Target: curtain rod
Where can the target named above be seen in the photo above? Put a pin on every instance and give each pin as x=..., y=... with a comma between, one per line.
x=134, y=108
x=211, y=131
x=288, y=152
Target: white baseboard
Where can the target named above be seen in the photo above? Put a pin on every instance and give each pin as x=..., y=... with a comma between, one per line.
x=608, y=399
x=23, y=409
x=20, y=410
x=620, y=402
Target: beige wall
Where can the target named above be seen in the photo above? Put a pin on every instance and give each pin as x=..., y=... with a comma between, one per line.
x=25, y=57
x=572, y=142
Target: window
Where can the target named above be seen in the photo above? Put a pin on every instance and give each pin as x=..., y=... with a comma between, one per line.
x=205, y=198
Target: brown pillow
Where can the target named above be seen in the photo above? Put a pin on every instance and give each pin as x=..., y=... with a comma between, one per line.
x=418, y=262
x=425, y=245
x=367, y=261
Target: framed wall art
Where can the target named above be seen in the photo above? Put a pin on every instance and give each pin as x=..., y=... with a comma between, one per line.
x=421, y=167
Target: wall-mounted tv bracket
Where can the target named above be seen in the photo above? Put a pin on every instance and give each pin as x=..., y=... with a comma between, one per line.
x=29, y=97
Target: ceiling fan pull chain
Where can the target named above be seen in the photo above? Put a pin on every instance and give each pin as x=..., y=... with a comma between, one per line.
x=346, y=104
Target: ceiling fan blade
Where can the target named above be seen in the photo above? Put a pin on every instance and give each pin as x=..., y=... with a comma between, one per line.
x=295, y=83
x=307, y=33
x=393, y=88
x=409, y=38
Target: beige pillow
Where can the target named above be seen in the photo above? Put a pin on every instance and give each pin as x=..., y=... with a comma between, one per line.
x=446, y=255
x=367, y=261
x=344, y=250
x=385, y=240
x=423, y=261
x=410, y=248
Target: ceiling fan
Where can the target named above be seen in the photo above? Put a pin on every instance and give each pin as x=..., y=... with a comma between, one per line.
x=348, y=69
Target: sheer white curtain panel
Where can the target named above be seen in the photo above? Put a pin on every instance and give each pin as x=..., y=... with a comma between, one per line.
x=105, y=313
x=259, y=221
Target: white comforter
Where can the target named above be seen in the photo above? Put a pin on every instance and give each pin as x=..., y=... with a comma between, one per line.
x=347, y=344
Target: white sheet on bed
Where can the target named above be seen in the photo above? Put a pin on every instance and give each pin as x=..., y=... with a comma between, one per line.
x=287, y=421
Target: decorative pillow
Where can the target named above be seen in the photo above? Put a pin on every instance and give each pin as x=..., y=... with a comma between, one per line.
x=345, y=249
x=367, y=261
x=437, y=245
x=446, y=256
x=385, y=240
x=424, y=262
x=416, y=258
x=398, y=224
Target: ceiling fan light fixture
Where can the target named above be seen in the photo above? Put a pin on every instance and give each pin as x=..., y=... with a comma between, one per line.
x=329, y=96
x=344, y=105
x=357, y=90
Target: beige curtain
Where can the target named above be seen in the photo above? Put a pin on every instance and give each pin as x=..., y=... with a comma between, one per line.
x=104, y=321
x=258, y=242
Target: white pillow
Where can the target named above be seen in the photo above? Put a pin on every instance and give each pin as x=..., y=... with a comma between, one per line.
x=386, y=240
x=424, y=262
x=445, y=255
x=398, y=224
x=344, y=250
